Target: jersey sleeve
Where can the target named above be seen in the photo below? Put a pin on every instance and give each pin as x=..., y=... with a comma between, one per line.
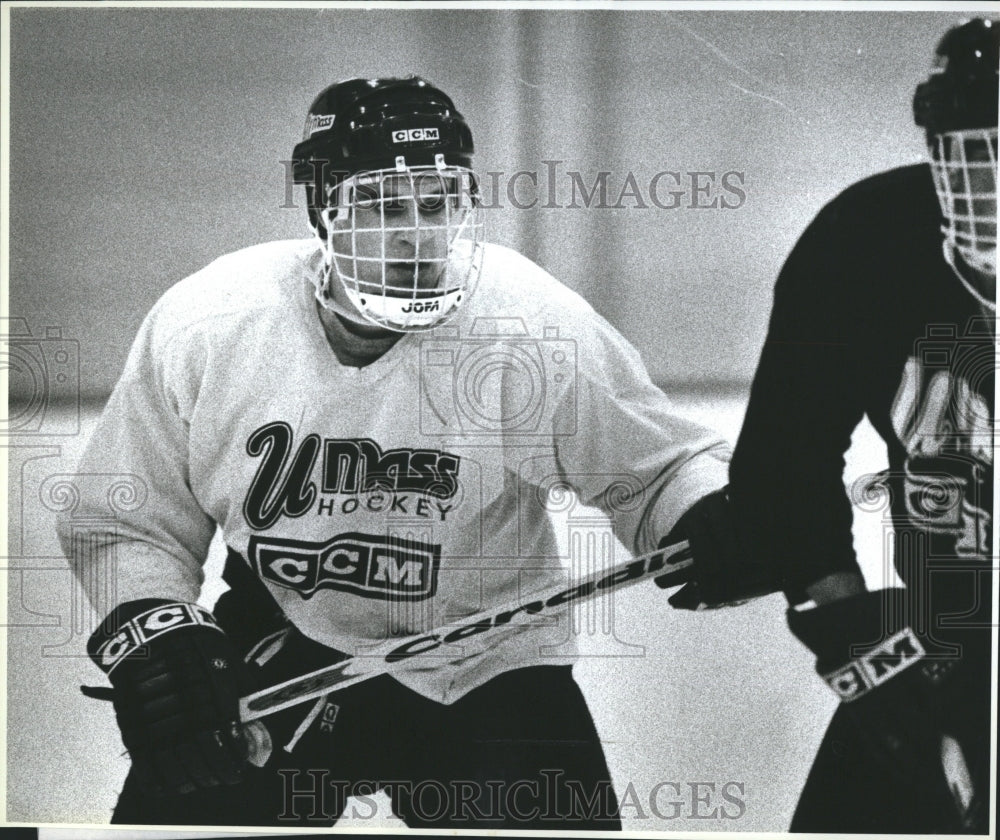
x=786, y=478
x=136, y=530
x=632, y=454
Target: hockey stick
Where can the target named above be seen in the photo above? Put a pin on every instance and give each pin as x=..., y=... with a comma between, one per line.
x=673, y=561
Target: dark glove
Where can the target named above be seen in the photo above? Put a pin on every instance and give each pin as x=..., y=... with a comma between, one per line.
x=724, y=573
x=176, y=680
x=921, y=705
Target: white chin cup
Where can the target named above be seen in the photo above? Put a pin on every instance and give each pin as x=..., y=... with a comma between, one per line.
x=405, y=313
x=405, y=245
x=961, y=272
x=984, y=261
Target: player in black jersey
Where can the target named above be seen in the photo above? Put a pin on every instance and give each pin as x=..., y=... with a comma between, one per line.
x=886, y=308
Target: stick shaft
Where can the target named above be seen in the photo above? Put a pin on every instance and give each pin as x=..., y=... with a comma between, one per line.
x=673, y=560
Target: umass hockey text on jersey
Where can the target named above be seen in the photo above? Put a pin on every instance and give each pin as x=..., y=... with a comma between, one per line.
x=283, y=485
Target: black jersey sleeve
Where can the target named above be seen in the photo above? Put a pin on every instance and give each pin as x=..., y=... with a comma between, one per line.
x=786, y=476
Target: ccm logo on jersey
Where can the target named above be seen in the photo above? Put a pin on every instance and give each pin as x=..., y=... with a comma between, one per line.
x=861, y=675
x=148, y=625
x=372, y=567
x=415, y=135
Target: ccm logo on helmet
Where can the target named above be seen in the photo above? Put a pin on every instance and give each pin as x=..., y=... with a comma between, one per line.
x=387, y=568
x=148, y=625
x=415, y=135
x=860, y=676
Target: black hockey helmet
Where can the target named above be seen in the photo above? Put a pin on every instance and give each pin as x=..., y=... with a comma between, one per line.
x=362, y=125
x=962, y=90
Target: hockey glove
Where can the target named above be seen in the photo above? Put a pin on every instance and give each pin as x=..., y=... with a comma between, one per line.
x=723, y=573
x=914, y=700
x=176, y=694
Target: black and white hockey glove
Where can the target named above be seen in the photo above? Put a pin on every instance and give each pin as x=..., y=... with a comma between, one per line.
x=723, y=573
x=176, y=694
x=922, y=707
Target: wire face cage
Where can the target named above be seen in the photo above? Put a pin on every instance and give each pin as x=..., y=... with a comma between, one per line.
x=405, y=243
x=964, y=164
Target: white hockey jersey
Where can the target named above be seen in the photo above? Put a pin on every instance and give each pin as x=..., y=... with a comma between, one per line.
x=388, y=499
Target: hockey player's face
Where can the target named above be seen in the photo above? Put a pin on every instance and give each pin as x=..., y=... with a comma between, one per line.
x=397, y=230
